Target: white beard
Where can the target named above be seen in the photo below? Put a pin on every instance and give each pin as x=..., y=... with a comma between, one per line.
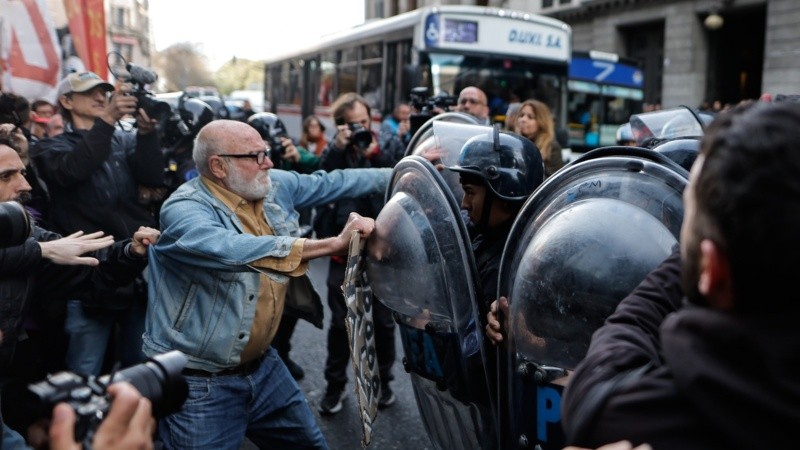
x=253, y=190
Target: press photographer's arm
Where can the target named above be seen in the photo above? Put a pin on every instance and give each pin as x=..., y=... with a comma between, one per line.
x=129, y=425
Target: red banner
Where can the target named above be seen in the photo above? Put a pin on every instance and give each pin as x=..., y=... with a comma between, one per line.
x=87, y=25
x=29, y=49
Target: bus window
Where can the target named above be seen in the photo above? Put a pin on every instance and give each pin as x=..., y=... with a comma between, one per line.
x=348, y=71
x=371, y=75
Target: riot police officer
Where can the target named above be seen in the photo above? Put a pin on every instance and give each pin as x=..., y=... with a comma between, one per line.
x=498, y=171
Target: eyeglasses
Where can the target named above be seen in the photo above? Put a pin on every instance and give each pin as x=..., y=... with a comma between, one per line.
x=464, y=101
x=260, y=157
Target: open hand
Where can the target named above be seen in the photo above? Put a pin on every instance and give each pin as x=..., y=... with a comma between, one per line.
x=68, y=250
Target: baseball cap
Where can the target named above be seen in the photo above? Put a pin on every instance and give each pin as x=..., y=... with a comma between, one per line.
x=82, y=82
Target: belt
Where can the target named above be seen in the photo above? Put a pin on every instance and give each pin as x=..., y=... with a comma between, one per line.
x=242, y=370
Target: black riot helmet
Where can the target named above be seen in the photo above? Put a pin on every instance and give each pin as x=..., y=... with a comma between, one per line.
x=195, y=114
x=682, y=150
x=510, y=165
x=186, y=121
x=268, y=125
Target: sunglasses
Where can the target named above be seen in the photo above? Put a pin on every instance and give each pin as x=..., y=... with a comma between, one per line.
x=260, y=156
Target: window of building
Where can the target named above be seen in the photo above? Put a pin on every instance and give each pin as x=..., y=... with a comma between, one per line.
x=121, y=16
x=547, y=3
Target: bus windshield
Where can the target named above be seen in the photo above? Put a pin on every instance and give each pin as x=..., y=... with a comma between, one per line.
x=504, y=80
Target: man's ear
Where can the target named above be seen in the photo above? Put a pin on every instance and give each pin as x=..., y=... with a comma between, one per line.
x=714, y=281
x=66, y=102
x=217, y=167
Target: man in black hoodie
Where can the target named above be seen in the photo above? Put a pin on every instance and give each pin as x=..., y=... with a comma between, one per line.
x=703, y=353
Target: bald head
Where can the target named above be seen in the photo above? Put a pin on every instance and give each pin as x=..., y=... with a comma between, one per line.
x=223, y=136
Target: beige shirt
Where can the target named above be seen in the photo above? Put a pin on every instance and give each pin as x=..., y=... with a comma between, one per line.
x=271, y=294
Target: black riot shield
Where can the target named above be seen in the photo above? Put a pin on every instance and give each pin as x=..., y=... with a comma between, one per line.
x=420, y=265
x=579, y=245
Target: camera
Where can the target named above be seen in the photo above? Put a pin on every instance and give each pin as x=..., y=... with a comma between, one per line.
x=15, y=224
x=278, y=150
x=140, y=77
x=426, y=106
x=361, y=138
x=159, y=379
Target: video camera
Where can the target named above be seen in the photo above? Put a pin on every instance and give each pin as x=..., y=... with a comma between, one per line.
x=140, y=77
x=159, y=379
x=426, y=106
x=15, y=224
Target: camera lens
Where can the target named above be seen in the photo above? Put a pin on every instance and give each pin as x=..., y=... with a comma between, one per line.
x=361, y=137
x=160, y=380
x=15, y=225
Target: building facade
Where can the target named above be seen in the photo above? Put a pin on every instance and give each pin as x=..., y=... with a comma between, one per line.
x=690, y=50
x=127, y=28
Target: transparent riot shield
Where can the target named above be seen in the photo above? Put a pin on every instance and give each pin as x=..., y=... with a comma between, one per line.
x=420, y=265
x=579, y=245
x=446, y=134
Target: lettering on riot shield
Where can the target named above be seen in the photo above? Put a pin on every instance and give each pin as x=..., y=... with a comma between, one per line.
x=548, y=414
x=424, y=352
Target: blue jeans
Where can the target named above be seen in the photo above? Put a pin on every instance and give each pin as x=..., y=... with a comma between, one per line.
x=90, y=334
x=266, y=406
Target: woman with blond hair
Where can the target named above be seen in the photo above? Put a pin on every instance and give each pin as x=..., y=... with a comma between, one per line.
x=535, y=122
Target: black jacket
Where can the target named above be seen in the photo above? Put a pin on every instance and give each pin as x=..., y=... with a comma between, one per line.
x=676, y=375
x=94, y=176
x=26, y=277
x=334, y=158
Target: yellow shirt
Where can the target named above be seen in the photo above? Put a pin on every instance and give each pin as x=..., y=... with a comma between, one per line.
x=271, y=294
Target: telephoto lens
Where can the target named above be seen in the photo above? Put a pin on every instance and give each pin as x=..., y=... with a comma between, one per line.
x=15, y=224
x=361, y=137
x=159, y=379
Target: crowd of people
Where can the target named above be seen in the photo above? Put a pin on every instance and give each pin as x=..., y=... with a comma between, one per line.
x=125, y=263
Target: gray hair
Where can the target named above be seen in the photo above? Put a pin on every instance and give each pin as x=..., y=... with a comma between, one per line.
x=202, y=151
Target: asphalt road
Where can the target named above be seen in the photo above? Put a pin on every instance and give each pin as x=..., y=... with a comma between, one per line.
x=396, y=427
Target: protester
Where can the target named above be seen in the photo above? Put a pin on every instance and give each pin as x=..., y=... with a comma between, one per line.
x=345, y=151
x=45, y=271
x=40, y=114
x=224, y=261
x=313, y=136
x=472, y=101
x=94, y=172
x=535, y=122
x=703, y=353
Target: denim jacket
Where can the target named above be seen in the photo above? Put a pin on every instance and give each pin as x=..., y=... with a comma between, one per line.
x=202, y=295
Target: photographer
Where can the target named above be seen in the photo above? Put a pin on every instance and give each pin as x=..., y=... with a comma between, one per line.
x=354, y=146
x=95, y=170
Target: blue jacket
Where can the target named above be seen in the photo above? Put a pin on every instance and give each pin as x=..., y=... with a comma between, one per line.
x=202, y=295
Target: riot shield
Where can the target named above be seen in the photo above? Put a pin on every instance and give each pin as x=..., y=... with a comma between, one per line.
x=420, y=265
x=579, y=245
x=447, y=133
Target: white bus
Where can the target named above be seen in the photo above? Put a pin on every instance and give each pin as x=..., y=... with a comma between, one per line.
x=510, y=55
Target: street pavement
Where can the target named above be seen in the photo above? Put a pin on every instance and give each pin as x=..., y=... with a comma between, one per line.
x=396, y=427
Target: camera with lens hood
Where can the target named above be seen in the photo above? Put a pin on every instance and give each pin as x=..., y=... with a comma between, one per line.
x=361, y=138
x=159, y=379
